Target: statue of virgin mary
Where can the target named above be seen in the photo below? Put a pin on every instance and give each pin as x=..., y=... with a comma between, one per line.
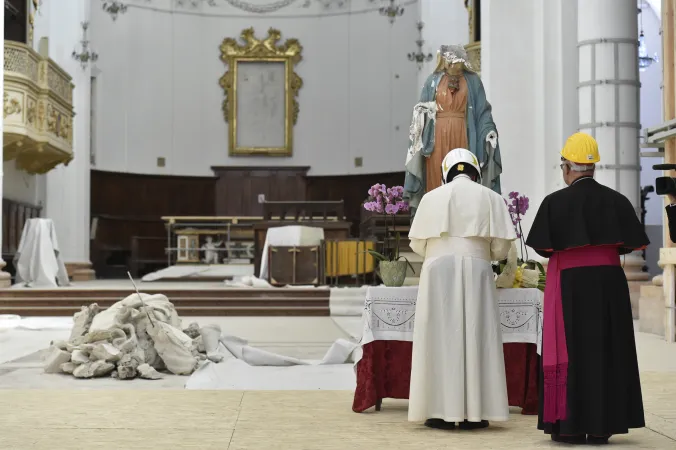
x=452, y=113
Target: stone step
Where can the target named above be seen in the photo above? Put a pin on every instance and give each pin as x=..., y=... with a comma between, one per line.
x=188, y=302
x=184, y=311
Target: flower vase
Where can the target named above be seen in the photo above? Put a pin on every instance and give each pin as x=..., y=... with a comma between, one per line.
x=393, y=273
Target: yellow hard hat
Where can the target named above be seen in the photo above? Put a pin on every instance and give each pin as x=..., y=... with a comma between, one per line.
x=581, y=148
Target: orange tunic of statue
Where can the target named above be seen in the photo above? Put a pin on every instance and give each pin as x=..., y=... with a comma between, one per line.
x=450, y=131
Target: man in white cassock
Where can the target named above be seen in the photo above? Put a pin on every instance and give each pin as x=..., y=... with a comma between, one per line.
x=458, y=367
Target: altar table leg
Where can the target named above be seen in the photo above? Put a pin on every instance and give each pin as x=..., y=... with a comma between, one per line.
x=379, y=404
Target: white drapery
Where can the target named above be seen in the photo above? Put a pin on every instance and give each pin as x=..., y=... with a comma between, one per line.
x=38, y=261
x=289, y=236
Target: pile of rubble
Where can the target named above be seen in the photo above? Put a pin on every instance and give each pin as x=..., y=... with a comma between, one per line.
x=132, y=338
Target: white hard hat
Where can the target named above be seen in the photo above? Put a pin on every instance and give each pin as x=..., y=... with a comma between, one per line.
x=458, y=156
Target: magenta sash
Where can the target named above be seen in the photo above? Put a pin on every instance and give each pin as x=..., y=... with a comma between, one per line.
x=554, y=350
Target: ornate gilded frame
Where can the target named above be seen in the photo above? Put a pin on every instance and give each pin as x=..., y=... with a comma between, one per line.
x=265, y=50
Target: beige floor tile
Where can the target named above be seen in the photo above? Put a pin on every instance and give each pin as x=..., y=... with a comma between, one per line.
x=13, y=438
x=119, y=409
x=265, y=420
x=517, y=436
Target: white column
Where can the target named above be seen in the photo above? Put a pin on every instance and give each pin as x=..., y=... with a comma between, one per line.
x=5, y=280
x=609, y=107
x=68, y=187
x=609, y=89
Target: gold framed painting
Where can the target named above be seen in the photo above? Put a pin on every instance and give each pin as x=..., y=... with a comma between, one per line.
x=261, y=93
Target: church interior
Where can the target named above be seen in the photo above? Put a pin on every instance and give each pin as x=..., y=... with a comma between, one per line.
x=182, y=197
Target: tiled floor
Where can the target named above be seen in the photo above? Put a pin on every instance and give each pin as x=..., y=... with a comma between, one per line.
x=263, y=420
x=51, y=412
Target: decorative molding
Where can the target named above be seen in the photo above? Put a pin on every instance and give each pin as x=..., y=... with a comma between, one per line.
x=193, y=3
x=264, y=8
x=219, y=8
x=261, y=50
x=37, y=110
x=474, y=56
x=11, y=106
x=33, y=9
x=472, y=6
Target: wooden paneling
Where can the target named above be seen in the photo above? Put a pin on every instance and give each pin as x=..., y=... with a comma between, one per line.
x=127, y=205
x=238, y=188
x=353, y=189
x=14, y=217
x=124, y=194
x=130, y=205
x=188, y=301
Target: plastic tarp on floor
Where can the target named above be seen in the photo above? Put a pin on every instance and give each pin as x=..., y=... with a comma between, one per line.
x=249, y=368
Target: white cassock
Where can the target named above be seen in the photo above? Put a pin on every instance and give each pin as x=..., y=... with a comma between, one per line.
x=458, y=367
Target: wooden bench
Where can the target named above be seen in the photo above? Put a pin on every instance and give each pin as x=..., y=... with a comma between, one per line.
x=14, y=217
x=146, y=253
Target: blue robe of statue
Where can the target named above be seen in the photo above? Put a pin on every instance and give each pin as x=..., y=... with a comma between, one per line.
x=479, y=124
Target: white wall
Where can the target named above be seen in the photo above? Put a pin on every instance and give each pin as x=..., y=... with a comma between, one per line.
x=158, y=93
x=446, y=23
x=21, y=186
x=68, y=187
x=529, y=70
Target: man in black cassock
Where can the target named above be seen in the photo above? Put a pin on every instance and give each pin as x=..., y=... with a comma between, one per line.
x=589, y=387
x=671, y=218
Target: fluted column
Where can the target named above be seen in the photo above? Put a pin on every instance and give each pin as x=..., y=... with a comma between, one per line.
x=609, y=107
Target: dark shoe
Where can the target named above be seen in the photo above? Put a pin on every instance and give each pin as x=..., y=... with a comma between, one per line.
x=439, y=424
x=597, y=440
x=574, y=440
x=467, y=425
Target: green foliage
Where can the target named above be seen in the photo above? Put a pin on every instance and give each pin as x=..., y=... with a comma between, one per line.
x=378, y=256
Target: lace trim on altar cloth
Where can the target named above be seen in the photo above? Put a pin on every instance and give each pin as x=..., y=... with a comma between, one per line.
x=393, y=318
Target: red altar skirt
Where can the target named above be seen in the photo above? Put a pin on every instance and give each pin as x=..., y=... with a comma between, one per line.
x=385, y=372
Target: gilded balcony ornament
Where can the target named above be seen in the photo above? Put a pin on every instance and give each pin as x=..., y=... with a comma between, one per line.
x=37, y=110
x=10, y=106
x=474, y=55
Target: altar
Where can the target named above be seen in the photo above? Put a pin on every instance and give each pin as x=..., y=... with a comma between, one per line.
x=384, y=369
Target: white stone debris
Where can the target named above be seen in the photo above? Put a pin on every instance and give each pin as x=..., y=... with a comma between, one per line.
x=123, y=342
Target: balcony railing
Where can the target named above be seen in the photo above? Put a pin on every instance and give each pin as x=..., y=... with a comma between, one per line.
x=37, y=110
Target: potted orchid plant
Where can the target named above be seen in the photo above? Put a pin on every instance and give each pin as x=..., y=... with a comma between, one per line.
x=390, y=202
x=518, y=205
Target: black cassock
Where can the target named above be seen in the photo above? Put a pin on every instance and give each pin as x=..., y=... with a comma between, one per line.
x=603, y=386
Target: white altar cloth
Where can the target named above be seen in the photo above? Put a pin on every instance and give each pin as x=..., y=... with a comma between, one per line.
x=38, y=260
x=389, y=314
x=289, y=236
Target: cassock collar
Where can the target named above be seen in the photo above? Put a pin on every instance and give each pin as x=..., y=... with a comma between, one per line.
x=580, y=179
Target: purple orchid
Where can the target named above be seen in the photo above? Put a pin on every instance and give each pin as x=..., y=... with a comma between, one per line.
x=389, y=201
x=518, y=206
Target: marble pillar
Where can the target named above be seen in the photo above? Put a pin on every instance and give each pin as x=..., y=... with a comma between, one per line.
x=609, y=107
x=68, y=187
x=5, y=279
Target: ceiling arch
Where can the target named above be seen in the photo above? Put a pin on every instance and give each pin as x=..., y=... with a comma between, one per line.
x=656, y=5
